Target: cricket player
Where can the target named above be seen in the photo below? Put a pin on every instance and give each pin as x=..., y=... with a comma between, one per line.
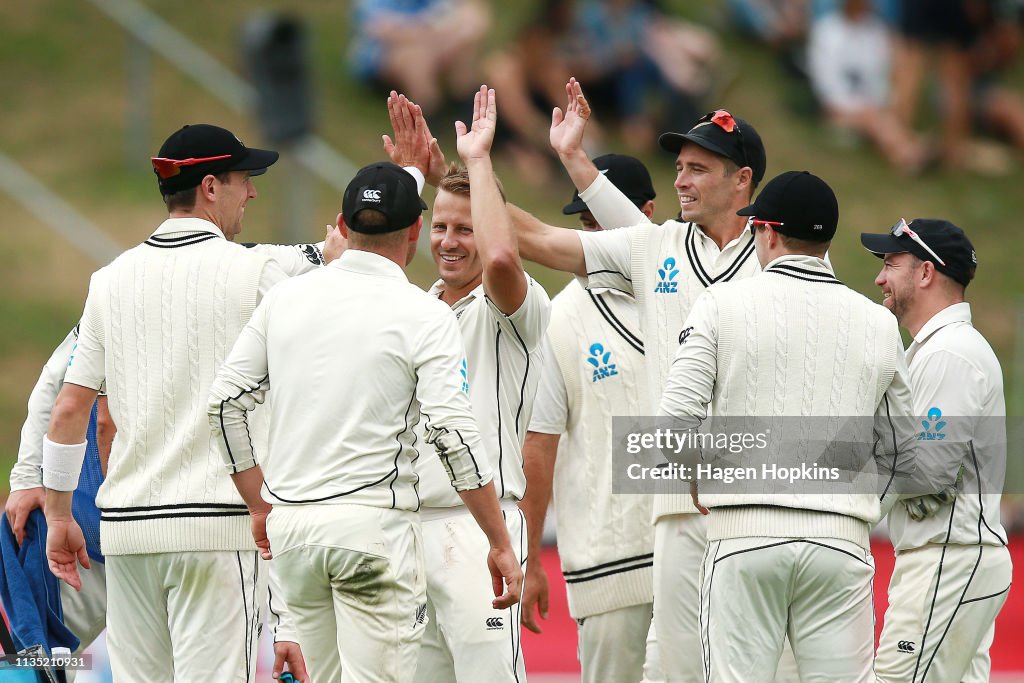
x=793, y=341
x=665, y=268
x=157, y=323
x=953, y=569
x=594, y=370
x=85, y=610
x=502, y=315
x=373, y=352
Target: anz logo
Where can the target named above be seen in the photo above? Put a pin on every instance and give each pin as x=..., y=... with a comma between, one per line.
x=932, y=426
x=464, y=371
x=601, y=362
x=667, y=283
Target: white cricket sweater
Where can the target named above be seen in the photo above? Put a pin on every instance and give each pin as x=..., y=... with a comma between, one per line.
x=794, y=341
x=605, y=541
x=158, y=322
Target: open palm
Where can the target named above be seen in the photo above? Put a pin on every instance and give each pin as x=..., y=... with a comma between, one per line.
x=475, y=143
x=566, y=135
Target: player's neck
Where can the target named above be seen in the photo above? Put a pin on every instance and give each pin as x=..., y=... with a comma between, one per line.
x=725, y=231
x=919, y=315
x=452, y=293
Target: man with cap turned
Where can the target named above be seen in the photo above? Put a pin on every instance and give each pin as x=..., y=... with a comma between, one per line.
x=593, y=370
x=719, y=162
x=355, y=354
x=793, y=342
x=953, y=569
x=184, y=586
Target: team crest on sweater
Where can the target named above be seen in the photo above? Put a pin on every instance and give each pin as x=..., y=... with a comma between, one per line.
x=667, y=283
x=600, y=360
x=933, y=426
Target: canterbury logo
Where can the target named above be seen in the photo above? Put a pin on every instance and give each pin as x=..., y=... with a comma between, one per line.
x=371, y=195
x=494, y=623
x=905, y=646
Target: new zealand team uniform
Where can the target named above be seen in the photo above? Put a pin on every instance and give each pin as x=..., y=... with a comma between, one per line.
x=594, y=371
x=953, y=569
x=665, y=268
x=793, y=341
x=158, y=321
x=85, y=611
x=466, y=639
x=344, y=531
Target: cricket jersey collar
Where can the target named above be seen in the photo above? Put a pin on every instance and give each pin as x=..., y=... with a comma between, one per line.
x=368, y=263
x=957, y=313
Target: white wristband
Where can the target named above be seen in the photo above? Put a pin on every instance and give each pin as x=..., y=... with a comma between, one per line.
x=418, y=175
x=62, y=464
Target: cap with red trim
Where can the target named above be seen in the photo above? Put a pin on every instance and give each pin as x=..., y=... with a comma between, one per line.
x=196, y=151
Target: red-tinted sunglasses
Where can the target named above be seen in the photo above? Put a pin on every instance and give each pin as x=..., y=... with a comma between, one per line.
x=724, y=120
x=168, y=168
x=756, y=223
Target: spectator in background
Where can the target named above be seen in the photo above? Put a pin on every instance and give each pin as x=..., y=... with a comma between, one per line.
x=997, y=108
x=849, y=58
x=946, y=28
x=780, y=24
x=626, y=50
x=418, y=46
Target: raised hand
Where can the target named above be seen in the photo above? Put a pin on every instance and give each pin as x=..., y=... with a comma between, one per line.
x=411, y=146
x=566, y=135
x=475, y=142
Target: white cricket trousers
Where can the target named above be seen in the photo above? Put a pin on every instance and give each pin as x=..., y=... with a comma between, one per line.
x=756, y=591
x=352, y=578
x=612, y=645
x=943, y=602
x=85, y=611
x=679, y=542
x=466, y=640
x=679, y=545
x=184, y=617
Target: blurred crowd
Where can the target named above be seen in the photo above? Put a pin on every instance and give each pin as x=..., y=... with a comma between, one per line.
x=919, y=80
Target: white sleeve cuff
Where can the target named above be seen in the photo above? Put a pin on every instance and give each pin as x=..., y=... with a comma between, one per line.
x=420, y=180
x=62, y=464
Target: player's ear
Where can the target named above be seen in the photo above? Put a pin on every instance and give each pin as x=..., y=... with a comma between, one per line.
x=414, y=231
x=745, y=179
x=648, y=208
x=926, y=274
x=341, y=226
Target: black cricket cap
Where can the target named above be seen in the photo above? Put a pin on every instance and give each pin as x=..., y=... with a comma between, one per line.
x=944, y=238
x=626, y=173
x=193, y=152
x=726, y=135
x=383, y=187
x=803, y=203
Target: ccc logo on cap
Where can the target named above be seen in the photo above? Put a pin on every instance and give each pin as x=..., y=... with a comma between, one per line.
x=371, y=195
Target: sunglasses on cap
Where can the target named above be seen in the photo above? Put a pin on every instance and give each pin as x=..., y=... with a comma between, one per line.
x=168, y=168
x=756, y=223
x=901, y=228
x=724, y=120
